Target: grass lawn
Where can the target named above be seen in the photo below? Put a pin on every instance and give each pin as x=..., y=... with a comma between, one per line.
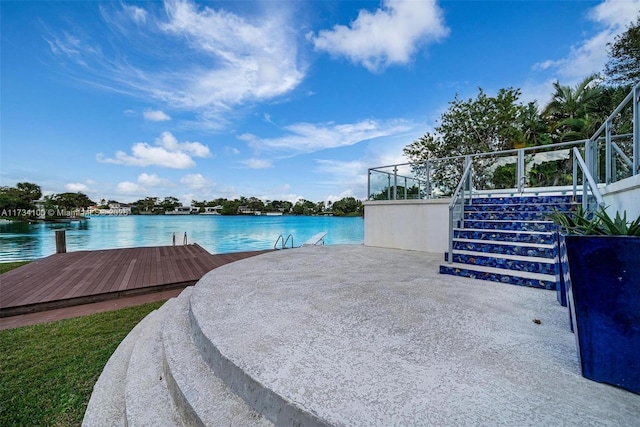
x=47, y=371
x=6, y=266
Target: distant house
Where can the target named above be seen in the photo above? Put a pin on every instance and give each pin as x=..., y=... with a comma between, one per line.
x=212, y=210
x=246, y=210
x=183, y=210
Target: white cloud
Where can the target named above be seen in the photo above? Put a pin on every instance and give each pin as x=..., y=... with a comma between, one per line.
x=152, y=180
x=137, y=14
x=129, y=188
x=309, y=137
x=196, y=182
x=258, y=164
x=387, y=37
x=197, y=58
x=590, y=55
x=167, y=152
x=156, y=116
x=76, y=187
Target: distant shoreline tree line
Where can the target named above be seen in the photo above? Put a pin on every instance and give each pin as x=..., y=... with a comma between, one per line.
x=24, y=201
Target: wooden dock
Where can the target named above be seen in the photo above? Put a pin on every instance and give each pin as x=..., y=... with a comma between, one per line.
x=82, y=277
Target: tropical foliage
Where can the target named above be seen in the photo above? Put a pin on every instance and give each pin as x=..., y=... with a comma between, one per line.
x=494, y=123
x=623, y=67
x=600, y=223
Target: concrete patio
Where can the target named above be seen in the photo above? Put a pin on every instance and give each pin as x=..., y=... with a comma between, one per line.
x=354, y=335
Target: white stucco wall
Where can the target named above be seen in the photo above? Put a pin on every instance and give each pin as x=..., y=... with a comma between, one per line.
x=623, y=196
x=419, y=225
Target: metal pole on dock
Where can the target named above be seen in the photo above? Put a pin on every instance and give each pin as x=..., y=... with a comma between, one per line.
x=61, y=242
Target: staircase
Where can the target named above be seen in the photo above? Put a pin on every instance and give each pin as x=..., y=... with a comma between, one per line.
x=157, y=377
x=508, y=240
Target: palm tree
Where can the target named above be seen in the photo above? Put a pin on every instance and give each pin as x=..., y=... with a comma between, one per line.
x=533, y=126
x=569, y=104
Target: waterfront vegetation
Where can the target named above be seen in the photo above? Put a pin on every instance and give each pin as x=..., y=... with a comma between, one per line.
x=48, y=371
x=22, y=202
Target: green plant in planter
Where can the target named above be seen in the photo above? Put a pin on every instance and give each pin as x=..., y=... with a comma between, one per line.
x=598, y=224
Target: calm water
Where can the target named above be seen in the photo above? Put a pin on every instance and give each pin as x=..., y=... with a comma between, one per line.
x=217, y=234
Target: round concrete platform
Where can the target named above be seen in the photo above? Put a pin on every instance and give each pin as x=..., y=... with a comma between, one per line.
x=354, y=335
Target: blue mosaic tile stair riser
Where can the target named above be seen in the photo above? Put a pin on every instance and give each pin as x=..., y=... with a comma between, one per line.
x=505, y=263
x=519, y=207
x=505, y=249
x=506, y=216
x=502, y=278
x=495, y=235
x=511, y=225
x=525, y=200
x=604, y=297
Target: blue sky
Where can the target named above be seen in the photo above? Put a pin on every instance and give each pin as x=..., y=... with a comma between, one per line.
x=275, y=99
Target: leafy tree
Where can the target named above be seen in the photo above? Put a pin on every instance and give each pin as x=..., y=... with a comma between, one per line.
x=304, y=207
x=623, y=66
x=170, y=203
x=71, y=200
x=148, y=205
x=21, y=196
x=473, y=126
x=534, y=127
x=347, y=206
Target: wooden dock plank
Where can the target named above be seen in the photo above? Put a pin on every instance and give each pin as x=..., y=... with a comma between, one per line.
x=76, y=277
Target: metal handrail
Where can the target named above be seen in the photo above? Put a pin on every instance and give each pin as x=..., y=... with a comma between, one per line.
x=466, y=177
x=284, y=245
x=578, y=161
x=275, y=245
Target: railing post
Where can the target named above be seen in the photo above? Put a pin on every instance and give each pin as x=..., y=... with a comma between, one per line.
x=520, y=171
x=636, y=129
x=450, y=256
x=405, y=188
x=575, y=175
x=428, y=183
x=368, y=184
x=388, y=186
x=607, y=151
x=395, y=182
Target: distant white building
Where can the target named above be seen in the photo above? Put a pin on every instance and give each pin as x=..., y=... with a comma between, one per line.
x=212, y=210
x=183, y=210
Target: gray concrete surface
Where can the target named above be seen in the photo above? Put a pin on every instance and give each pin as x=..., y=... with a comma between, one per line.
x=202, y=399
x=106, y=406
x=147, y=399
x=359, y=336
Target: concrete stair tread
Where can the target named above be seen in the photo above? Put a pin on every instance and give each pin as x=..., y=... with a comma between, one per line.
x=202, y=398
x=501, y=271
x=147, y=398
x=106, y=406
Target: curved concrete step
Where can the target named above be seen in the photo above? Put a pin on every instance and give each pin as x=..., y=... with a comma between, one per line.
x=147, y=399
x=106, y=406
x=202, y=398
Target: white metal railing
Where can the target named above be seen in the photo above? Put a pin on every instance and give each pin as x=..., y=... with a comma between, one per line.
x=588, y=183
x=459, y=195
x=608, y=157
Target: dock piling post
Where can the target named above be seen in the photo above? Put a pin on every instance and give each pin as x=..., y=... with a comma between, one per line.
x=61, y=242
